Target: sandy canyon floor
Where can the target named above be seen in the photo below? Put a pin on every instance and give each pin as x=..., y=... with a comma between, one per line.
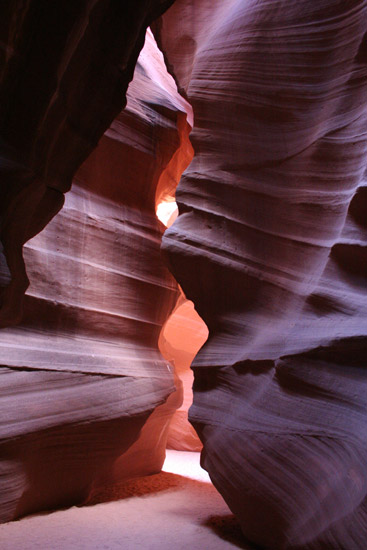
x=175, y=510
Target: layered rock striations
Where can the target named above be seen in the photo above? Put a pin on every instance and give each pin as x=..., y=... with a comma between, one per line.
x=86, y=397
x=182, y=335
x=270, y=245
x=65, y=69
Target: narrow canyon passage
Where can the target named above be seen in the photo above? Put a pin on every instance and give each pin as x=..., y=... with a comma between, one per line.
x=250, y=116
x=182, y=335
x=100, y=309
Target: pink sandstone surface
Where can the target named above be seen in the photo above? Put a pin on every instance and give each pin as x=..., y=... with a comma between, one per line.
x=269, y=244
x=86, y=396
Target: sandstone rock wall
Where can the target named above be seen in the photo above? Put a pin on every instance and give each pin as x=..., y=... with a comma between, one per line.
x=86, y=397
x=181, y=337
x=64, y=71
x=270, y=245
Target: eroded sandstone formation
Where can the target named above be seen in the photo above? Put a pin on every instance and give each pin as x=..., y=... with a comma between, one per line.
x=270, y=245
x=86, y=397
x=181, y=337
x=65, y=68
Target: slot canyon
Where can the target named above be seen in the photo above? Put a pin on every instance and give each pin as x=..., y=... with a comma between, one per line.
x=183, y=270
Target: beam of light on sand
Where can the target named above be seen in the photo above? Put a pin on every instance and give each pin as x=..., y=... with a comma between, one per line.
x=186, y=464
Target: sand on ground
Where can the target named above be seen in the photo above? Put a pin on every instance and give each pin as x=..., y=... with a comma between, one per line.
x=177, y=509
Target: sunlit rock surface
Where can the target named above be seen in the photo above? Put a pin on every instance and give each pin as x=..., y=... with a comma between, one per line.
x=270, y=245
x=181, y=338
x=85, y=395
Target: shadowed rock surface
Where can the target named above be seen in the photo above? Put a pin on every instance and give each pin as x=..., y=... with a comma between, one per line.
x=86, y=397
x=65, y=68
x=270, y=246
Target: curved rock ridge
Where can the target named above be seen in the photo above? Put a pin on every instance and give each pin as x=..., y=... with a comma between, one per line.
x=86, y=397
x=181, y=337
x=64, y=72
x=184, y=332
x=270, y=245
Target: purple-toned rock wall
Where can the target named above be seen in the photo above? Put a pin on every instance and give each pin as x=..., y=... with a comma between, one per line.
x=270, y=245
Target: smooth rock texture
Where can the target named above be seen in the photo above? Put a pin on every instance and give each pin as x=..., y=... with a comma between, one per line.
x=64, y=71
x=270, y=245
x=181, y=337
x=86, y=397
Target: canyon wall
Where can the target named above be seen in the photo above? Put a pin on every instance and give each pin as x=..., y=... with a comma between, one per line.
x=86, y=397
x=64, y=71
x=270, y=245
x=181, y=337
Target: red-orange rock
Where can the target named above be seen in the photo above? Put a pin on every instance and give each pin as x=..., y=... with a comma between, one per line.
x=181, y=338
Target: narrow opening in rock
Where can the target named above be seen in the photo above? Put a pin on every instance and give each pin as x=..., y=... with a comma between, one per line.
x=167, y=212
x=184, y=332
x=181, y=338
